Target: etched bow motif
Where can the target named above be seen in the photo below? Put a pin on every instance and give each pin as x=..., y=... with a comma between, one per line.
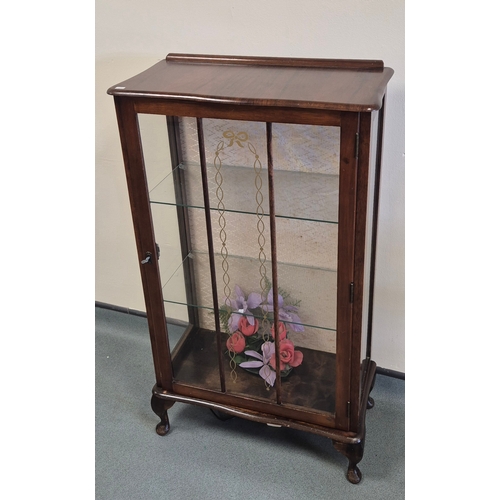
x=238, y=138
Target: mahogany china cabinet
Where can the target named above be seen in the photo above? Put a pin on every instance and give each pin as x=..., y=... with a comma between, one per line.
x=253, y=185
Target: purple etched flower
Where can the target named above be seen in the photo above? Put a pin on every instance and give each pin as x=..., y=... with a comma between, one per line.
x=287, y=314
x=241, y=306
x=262, y=362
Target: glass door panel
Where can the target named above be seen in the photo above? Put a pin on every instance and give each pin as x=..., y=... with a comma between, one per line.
x=218, y=276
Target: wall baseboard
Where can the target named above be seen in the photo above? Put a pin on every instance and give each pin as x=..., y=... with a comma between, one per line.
x=390, y=373
x=103, y=305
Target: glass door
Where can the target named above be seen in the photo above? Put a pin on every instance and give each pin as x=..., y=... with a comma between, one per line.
x=254, y=274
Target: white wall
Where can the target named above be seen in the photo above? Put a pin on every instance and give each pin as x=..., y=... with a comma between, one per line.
x=132, y=35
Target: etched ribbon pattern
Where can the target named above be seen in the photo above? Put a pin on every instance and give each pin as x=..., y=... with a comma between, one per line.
x=219, y=192
x=238, y=139
x=261, y=239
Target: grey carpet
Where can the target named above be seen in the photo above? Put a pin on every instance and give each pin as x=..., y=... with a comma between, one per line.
x=206, y=458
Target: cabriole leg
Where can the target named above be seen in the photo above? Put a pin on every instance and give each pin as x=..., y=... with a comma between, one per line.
x=160, y=407
x=354, y=453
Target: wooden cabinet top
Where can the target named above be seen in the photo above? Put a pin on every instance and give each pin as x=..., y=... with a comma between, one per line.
x=327, y=84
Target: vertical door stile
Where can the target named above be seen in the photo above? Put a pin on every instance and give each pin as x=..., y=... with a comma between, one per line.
x=274, y=259
x=345, y=275
x=128, y=126
x=213, y=277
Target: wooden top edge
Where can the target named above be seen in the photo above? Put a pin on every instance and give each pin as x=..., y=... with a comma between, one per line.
x=285, y=104
x=351, y=64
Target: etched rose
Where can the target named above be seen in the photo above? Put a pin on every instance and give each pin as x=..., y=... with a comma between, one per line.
x=288, y=356
x=246, y=328
x=281, y=330
x=236, y=342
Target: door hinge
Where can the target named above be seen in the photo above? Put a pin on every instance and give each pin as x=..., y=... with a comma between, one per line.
x=356, y=146
x=157, y=251
x=351, y=293
x=349, y=410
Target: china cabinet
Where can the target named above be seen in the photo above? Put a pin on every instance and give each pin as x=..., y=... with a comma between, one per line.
x=253, y=185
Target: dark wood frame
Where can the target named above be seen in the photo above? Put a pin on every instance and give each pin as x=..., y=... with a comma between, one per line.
x=149, y=93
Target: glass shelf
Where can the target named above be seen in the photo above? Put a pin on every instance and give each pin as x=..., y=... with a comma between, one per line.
x=298, y=195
